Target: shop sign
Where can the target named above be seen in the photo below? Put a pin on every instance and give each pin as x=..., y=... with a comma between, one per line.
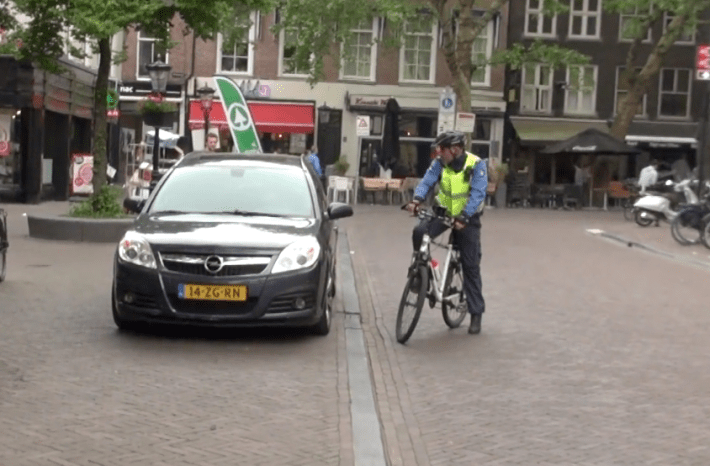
x=702, y=63
x=376, y=102
x=82, y=173
x=144, y=88
x=465, y=122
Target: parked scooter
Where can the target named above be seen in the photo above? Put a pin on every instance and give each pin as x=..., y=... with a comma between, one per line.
x=656, y=207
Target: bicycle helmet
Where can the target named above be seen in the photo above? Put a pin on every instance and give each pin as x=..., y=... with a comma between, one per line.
x=449, y=138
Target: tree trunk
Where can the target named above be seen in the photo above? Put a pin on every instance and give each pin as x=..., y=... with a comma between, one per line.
x=100, y=131
x=639, y=87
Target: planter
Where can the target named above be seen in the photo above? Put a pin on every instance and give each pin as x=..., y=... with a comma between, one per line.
x=160, y=119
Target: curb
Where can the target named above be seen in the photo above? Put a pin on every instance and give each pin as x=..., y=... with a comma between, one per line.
x=58, y=228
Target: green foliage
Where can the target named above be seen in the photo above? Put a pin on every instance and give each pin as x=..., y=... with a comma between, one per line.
x=518, y=56
x=105, y=204
x=341, y=165
x=150, y=106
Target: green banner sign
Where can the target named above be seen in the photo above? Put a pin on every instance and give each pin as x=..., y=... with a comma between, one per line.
x=246, y=139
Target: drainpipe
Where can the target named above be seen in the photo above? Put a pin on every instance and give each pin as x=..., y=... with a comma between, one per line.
x=188, y=132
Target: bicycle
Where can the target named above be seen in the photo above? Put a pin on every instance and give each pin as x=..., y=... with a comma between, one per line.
x=425, y=281
x=628, y=203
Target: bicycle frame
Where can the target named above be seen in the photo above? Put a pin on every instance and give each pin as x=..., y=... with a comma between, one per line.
x=437, y=282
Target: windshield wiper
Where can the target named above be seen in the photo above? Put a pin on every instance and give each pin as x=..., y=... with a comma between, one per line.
x=168, y=212
x=247, y=213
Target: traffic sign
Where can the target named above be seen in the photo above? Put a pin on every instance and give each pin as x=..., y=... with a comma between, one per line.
x=362, y=125
x=702, y=62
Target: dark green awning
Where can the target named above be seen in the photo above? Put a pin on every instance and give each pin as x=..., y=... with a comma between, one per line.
x=546, y=130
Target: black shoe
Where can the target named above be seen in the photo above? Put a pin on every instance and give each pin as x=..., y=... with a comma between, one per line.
x=475, y=327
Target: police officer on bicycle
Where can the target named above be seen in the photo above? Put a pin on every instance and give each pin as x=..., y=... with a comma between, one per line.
x=463, y=181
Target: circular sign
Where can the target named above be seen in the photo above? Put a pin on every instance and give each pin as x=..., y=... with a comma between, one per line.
x=447, y=102
x=238, y=114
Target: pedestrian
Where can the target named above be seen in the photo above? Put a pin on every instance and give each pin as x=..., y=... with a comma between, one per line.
x=315, y=161
x=649, y=175
x=463, y=181
x=212, y=142
x=581, y=181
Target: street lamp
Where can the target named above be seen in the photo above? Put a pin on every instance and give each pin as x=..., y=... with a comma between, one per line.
x=159, y=73
x=206, y=94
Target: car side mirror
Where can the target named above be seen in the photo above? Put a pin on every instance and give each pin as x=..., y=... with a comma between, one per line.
x=338, y=210
x=133, y=205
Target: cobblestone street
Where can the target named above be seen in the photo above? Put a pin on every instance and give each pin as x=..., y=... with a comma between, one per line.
x=592, y=353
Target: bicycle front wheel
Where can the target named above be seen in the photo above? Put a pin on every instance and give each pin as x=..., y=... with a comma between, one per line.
x=628, y=207
x=686, y=229
x=412, y=302
x=454, y=312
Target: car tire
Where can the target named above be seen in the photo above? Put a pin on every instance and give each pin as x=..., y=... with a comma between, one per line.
x=322, y=328
x=121, y=323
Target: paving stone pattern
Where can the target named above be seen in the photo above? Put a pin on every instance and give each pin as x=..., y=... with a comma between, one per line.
x=592, y=353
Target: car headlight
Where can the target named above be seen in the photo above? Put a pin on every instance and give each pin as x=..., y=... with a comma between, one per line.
x=298, y=255
x=135, y=249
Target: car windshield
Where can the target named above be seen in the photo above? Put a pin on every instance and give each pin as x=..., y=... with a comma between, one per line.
x=250, y=188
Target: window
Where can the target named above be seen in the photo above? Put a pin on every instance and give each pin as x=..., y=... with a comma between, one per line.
x=359, y=62
x=629, y=23
x=481, y=51
x=85, y=54
x=536, y=95
x=148, y=53
x=238, y=58
x=585, y=16
x=685, y=37
x=287, y=54
x=536, y=23
x=581, y=94
x=417, y=55
x=622, y=89
x=674, y=92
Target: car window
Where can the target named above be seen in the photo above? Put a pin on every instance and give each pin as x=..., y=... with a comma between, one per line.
x=226, y=187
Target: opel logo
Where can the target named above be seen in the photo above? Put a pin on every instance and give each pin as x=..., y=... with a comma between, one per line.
x=214, y=264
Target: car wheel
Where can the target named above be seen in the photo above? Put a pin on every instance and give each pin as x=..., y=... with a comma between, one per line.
x=121, y=323
x=3, y=265
x=323, y=325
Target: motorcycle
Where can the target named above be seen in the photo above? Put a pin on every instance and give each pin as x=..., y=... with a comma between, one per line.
x=656, y=207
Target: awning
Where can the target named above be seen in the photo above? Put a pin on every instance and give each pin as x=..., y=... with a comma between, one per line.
x=269, y=117
x=279, y=117
x=662, y=134
x=546, y=130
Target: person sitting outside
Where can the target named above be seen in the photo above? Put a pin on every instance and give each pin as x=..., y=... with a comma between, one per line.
x=648, y=176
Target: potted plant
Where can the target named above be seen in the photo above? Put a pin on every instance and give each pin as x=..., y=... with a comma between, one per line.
x=157, y=112
x=341, y=166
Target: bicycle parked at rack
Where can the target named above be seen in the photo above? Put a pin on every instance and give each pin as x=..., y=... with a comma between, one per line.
x=426, y=281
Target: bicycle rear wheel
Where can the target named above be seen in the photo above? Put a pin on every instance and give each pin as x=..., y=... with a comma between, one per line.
x=686, y=229
x=411, y=304
x=455, y=312
x=628, y=207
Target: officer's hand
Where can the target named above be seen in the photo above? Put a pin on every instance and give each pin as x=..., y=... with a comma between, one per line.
x=459, y=224
x=413, y=207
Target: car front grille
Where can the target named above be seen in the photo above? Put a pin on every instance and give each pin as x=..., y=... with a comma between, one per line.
x=233, y=266
x=286, y=303
x=219, y=308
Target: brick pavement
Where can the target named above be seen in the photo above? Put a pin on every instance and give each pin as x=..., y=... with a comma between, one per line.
x=592, y=353
x=74, y=391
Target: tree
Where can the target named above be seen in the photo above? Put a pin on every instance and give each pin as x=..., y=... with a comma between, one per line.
x=638, y=76
x=98, y=22
x=459, y=22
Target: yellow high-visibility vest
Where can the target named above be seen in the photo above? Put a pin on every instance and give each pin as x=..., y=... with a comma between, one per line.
x=455, y=187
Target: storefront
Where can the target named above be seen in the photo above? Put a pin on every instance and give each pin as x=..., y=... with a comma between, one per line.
x=284, y=126
x=667, y=142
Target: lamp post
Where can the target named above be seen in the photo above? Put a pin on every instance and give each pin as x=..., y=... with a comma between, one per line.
x=159, y=73
x=206, y=94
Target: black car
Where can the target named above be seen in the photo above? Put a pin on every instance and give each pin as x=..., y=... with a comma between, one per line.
x=230, y=240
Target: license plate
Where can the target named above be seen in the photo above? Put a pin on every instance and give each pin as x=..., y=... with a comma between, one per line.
x=213, y=292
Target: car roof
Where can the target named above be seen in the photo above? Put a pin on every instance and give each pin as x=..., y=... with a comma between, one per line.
x=202, y=157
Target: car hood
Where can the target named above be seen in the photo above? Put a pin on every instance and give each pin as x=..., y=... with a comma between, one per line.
x=223, y=231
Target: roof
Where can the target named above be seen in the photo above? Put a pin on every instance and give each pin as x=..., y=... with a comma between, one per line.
x=201, y=157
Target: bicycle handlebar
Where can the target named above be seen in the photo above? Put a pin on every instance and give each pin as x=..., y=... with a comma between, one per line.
x=423, y=213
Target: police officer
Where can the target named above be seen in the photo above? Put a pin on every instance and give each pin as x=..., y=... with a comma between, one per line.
x=463, y=181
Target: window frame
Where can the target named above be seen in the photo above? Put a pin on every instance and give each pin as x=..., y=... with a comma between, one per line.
x=490, y=37
x=282, y=35
x=540, y=15
x=649, y=32
x=675, y=83
x=374, y=30
x=251, y=37
x=585, y=14
x=432, y=57
x=644, y=103
x=140, y=77
x=536, y=87
x=579, y=91
x=668, y=18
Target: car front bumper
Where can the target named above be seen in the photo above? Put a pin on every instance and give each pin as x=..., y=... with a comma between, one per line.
x=151, y=296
